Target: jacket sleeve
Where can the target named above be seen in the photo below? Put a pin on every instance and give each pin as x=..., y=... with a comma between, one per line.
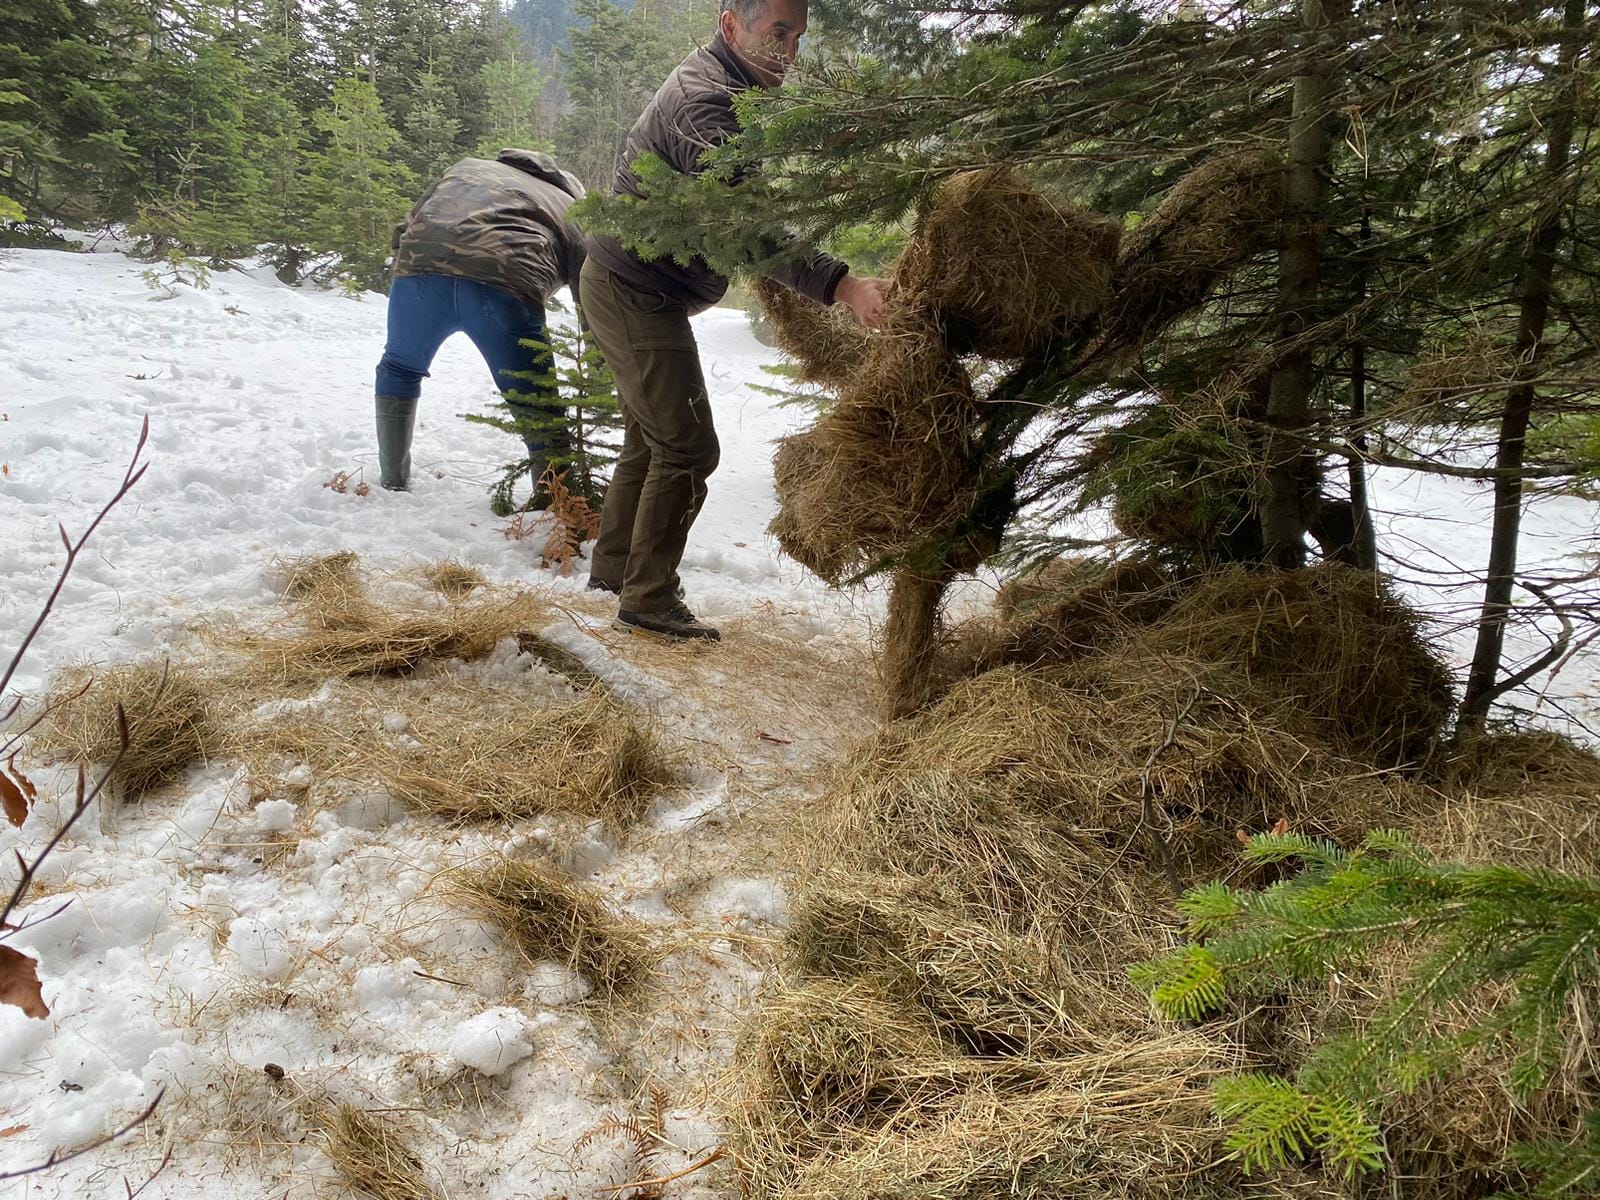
x=814, y=276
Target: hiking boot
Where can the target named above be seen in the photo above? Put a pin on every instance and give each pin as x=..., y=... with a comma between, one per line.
x=600, y=585
x=677, y=623
x=396, y=416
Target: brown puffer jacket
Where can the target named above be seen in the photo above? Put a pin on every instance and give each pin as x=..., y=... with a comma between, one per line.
x=502, y=223
x=692, y=112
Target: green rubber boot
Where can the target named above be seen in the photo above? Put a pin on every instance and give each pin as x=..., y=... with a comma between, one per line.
x=396, y=416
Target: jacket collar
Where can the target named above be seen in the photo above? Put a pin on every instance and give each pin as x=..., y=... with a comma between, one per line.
x=739, y=77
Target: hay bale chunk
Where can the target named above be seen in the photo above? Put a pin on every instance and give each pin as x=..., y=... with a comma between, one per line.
x=1005, y=266
x=547, y=914
x=827, y=342
x=168, y=713
x=889, y=465
x=1209, y=222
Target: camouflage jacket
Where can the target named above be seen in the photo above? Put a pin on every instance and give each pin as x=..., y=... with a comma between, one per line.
x=692, y=112
x=502, y=223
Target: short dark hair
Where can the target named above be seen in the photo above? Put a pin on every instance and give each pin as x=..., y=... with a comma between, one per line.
x=745, y=10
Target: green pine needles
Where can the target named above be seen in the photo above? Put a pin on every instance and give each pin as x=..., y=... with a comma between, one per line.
x=1501, y=954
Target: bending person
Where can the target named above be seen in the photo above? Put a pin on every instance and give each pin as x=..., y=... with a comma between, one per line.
x=479, y=254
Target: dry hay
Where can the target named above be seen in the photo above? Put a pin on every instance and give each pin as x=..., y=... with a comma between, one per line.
x=1209, y=222
x=371, y=1155
x=1332, y=643
x=827, y=342
x=1328, y=651
x=1065, y=610
x=326, y=590
x=1130, y=1121
x=1135, y=751
x=498, y=757
x=549, y=915
x=1052, y=579
x=985, y=988
x=1005, y=266
x=376, y=641
x=842, y=1091
x=1526, y=799
x=168, y=712
x=994, y=268
x=890, y=464
x=454, y=580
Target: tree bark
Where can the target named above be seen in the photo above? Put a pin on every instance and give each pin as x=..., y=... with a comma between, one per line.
x=1365, y=541
x=1284, y=516
x=1538, y=269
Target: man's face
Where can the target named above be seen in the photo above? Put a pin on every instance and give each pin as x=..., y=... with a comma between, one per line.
x=770, y=41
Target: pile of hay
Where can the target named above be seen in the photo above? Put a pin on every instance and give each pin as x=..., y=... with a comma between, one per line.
x=953, y=1017
x=168, y=712
x=547, y=914
x=453, y=580
x=493, y=757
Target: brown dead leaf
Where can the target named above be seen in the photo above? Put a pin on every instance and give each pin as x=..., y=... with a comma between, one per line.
x=17, y=793
x=1282, y=827
x=12, y=1130
x=19, y=983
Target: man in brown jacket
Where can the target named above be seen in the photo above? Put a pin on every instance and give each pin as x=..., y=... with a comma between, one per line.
x=639, y=313
x=479, y=254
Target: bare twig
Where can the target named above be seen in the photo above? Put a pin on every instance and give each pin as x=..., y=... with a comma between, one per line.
x=131, y=476
x=56, y=1159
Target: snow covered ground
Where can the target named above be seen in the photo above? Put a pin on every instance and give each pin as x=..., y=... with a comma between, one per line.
x=209, y=935
x=190, y=958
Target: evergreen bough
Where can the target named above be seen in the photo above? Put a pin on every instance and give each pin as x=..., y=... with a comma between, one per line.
x=1504, y=950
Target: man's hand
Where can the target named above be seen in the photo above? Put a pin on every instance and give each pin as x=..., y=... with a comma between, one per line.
x=865, y=298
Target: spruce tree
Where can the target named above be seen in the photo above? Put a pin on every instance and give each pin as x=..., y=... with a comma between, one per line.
x=360, y=188
x=1498, y=956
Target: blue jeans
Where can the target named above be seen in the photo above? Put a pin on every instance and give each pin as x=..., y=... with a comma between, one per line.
x=424, y=310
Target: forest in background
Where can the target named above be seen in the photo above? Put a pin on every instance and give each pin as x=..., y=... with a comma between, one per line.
x=302, y=131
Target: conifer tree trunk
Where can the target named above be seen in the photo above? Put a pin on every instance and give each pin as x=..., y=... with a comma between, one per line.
x=1538, y=267
x=1364, y=544
x=1283, y=509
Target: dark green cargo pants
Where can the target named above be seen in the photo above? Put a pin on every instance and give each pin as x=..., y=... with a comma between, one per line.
x=669, y=444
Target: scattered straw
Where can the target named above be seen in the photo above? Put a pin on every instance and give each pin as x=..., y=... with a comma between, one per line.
x=500, y=758
x=380, y=641
x=549, y=915
x=168, y=715
x=372, y=1156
